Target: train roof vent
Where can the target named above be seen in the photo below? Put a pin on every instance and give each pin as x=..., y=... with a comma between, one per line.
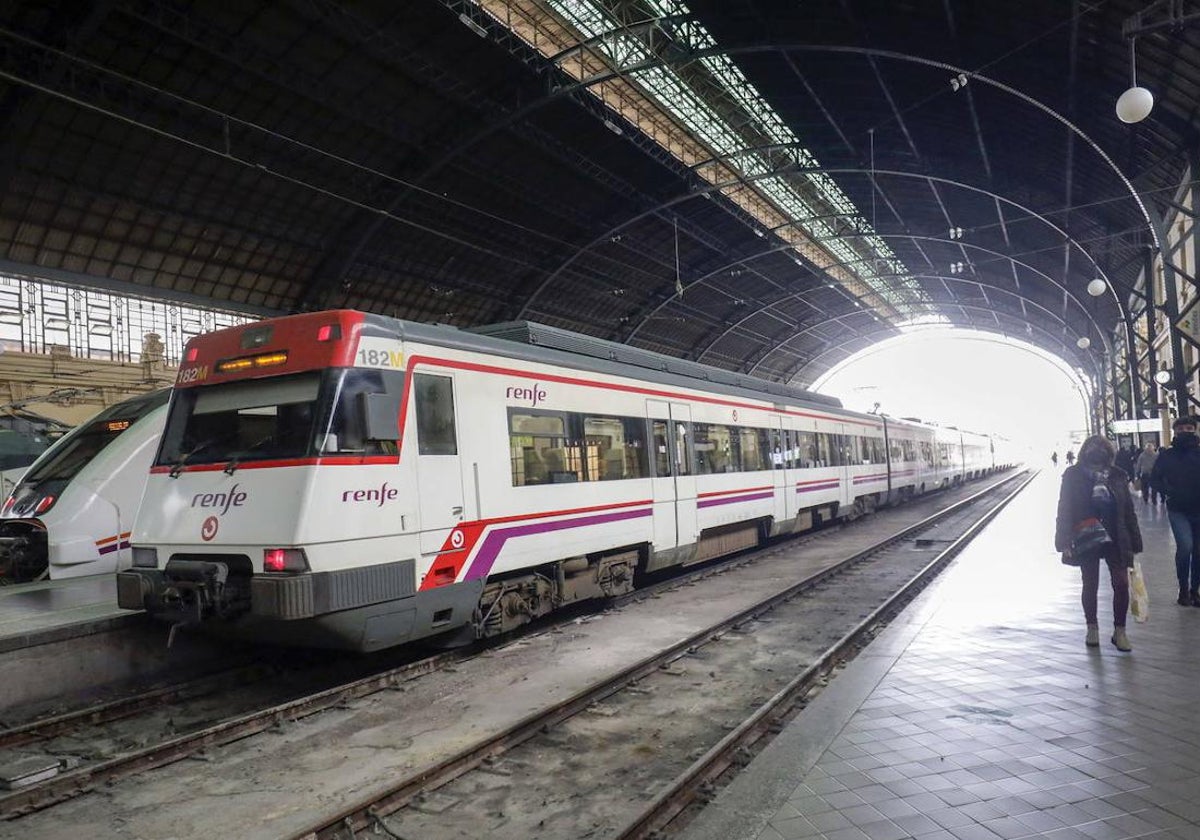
x=541, y=335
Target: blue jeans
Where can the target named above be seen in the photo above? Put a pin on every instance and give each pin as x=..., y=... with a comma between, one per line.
x=1186, y=529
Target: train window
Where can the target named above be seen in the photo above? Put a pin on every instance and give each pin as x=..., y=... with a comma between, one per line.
x=344, y=433
x=806, y=450
x=714, y=447
x=543, y=449
x=754, y=449
x=242, y=421
x=683, y=449
x=927, y=453
x=659, y=431
x=615, y=448
x=436, y=434
x=778, y=448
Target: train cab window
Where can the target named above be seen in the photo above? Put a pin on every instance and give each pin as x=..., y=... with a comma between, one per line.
x=436, y=434
x=242, y=421
x=660, y=433
x=345, y=432
x=75, y=450
x=615, y=448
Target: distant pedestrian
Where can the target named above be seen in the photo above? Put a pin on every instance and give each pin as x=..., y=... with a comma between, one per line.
x=1096, y=522
x=1054, y=458
x=1176, y=476
x=1070, y=457
x=1143, y=468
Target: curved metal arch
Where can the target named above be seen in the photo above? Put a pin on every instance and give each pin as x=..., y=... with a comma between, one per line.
x=894, y=55
x=955, y=242
x=860, y=171
x=967, y=306
x=783, y=344
x=795, y=371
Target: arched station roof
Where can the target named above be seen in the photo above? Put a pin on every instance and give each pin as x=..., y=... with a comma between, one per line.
x=764, y=185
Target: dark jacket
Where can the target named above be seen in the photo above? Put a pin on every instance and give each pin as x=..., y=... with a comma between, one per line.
x=1177, y=476
x=1075, y=505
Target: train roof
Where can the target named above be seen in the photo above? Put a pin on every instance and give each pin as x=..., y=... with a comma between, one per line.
x=542, y=343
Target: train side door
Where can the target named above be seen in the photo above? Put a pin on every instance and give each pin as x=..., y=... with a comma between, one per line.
x=439, y=464
x=785, y=505
x=674, y=485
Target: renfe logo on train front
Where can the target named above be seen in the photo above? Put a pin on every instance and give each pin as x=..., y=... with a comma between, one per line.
x=532, y=394
x=230, y=498
x=378, y=495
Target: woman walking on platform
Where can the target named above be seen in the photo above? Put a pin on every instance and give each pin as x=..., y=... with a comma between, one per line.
x=1096, y=521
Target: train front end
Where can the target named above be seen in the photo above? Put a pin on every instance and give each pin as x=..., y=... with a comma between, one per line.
x=72, y=511
x=246, y=526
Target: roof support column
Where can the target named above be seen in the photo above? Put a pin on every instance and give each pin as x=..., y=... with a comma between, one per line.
x=1151, y=342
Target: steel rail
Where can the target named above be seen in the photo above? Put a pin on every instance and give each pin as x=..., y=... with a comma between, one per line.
x=77, y=782
x=694, y=782
x=123, y=707
x=368, y=811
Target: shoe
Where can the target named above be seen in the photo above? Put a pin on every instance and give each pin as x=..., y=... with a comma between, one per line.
x=1120, y=640
x=1093, y=636
x=1184, y=599
x=1194, y=598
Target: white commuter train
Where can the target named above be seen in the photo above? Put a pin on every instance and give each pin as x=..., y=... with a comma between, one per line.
x=72, y=511
x=349, y=480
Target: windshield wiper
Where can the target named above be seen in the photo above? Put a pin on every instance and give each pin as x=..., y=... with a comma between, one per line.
x=178, y=466
x=236, y=460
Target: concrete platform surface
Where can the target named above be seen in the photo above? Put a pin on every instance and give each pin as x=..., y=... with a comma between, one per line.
x=980, y=713
x=33, y=613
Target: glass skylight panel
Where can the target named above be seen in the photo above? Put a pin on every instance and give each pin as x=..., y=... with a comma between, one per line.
x=628, y=52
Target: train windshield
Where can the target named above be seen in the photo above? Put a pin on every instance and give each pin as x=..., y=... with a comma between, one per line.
x=75, y=450
x=284, y=417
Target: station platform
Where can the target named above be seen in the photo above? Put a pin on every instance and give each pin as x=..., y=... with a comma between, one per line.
x=67, y=642
x=55, y=610
x=979, y=713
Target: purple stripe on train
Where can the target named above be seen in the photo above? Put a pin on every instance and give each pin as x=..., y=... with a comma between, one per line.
x=713, y=502
x=495, y=540
x=826, y=485
x=111, y=547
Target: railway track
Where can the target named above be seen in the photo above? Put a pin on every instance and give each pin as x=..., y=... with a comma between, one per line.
x=70, y=781
x=583, y=743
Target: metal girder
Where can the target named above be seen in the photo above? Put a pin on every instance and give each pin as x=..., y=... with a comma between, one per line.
x=897, y=56
x=890, y=172
x=1018, y=294
x=765, y=354
x=948, y=8
x=792, y=374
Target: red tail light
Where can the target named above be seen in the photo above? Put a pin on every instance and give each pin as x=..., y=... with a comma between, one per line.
x=329, y=332
x=8, y=504
x=284, y=560
x=44, y=504
x=193, y=353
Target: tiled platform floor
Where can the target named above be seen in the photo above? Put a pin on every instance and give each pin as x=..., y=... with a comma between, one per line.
x=980, y=713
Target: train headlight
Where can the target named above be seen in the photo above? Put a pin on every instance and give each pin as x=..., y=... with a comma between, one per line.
x=145, y=558
x=284, y=560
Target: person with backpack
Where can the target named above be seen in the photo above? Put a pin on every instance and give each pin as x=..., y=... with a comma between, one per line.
x=1095, y=522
